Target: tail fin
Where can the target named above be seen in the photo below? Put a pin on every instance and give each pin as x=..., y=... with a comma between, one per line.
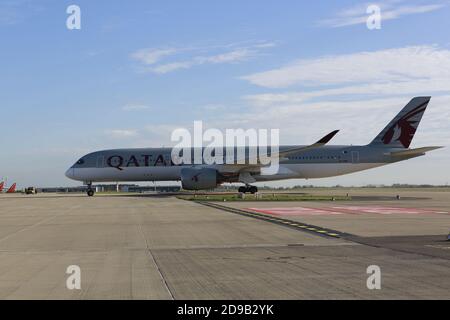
x=1, y=186
x=400, y=131
x=12, y=189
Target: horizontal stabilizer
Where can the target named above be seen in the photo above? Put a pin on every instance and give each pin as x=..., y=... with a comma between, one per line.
x=413, y=152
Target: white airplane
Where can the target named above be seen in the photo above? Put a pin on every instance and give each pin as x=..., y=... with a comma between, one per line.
x=317, y=160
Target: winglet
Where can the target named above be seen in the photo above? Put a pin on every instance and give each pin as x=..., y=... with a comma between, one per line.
x=327, y=138
x=1, y=186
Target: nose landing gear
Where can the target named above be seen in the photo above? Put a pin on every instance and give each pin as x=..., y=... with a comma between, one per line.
x=248, y=189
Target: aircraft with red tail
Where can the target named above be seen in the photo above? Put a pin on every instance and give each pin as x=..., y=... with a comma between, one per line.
x=11, y=189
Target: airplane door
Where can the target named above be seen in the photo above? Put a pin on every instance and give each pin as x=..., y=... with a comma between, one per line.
x=355, y=157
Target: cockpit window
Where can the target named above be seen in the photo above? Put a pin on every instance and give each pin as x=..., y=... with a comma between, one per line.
x=80, y=162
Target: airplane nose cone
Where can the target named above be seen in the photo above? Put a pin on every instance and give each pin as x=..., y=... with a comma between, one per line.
x=70, y=173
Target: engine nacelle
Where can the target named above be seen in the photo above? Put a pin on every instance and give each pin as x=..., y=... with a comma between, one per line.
x=199, y=179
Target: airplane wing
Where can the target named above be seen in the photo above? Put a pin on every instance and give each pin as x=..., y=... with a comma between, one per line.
x=413, y=152
x=320, y=143
x=248, y=163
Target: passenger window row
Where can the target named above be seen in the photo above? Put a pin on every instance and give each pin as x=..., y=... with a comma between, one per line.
x=316, y=158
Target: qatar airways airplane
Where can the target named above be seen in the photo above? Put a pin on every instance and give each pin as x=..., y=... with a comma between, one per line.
x=317, y=160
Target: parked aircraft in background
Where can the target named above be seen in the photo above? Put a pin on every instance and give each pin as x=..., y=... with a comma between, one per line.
x=11, y=189
x=295, y=162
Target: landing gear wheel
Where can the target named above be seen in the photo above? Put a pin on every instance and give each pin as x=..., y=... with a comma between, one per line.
x=249, y=189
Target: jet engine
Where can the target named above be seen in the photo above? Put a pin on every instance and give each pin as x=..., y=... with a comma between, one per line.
x=199, y=179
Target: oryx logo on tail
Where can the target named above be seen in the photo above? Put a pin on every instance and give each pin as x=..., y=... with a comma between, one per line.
x=400, y=131
x=405, y=127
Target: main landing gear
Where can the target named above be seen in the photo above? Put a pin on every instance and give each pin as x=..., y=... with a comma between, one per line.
x=90, y=192
x=249, y=189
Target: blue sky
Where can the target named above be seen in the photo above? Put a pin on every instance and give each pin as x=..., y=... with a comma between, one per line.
x=136, y=71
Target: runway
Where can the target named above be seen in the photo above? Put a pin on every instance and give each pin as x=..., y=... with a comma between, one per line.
x=160, y=247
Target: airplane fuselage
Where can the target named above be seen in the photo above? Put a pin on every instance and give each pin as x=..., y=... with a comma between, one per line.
x=155, y=164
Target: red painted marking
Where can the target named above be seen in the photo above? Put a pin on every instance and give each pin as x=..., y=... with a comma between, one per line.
x=337, y=210
x=383, y=210
x=295, y=211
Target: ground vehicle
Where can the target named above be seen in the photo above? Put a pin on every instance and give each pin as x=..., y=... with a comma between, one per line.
x=30, y=190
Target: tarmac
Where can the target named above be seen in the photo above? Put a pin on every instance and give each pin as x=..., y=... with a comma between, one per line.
x=160, y=247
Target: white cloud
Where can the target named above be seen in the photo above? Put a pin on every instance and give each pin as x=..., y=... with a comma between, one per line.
x=232, y=53
x=151, y=56
x=416, y=87
x=122, y=133
x=135, y=107
x=389, y=10
x=170, y=67
x=391, y=65
x=229, y=57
